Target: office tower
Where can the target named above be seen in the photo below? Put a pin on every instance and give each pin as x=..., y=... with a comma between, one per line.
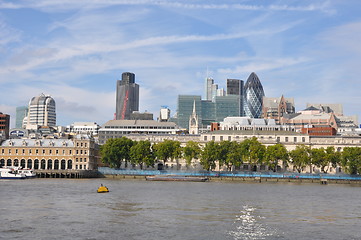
x=235, y=87
x=41, y=112
x=226, y=106
x=208, y=89
x=4, y=125
x=253, y=97
x=21, y=113
x=127, y=98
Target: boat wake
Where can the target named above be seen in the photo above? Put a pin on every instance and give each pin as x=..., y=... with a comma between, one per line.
x=248, y=226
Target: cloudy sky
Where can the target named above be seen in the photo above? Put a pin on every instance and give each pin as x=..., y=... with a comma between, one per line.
x=76, y=50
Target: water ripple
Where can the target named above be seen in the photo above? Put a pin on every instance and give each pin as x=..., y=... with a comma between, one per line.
x=248, y=226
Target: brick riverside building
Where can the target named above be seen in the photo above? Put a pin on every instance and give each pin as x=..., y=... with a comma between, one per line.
x=80, y=153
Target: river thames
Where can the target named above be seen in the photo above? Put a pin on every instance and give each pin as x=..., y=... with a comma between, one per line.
x=138, y=209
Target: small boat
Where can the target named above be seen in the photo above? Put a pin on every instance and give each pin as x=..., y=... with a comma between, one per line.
x=176, y=178
x=10, y=173
x=103, y=189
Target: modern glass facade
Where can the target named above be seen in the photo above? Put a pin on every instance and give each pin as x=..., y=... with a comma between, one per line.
x=253, y=97
x=185, y=109
x=207, y=111
x=227, y=106
x=21, y=113
x=236, y=87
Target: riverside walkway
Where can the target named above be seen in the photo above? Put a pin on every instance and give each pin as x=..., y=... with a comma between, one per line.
x=259, y=176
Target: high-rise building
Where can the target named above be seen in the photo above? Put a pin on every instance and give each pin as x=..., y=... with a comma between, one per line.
x=41, y=112
x=208, y=89
x=207, y=111
x=4, y=125
x=253, y=97
x=275, y=108
x=236, y=87
x=127, y=98
x=21, y=113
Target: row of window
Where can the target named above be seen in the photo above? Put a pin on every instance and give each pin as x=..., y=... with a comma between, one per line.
x=43, y=151
x=229, y=138
x=140, y=127
x=43, y=164
x=81, y=144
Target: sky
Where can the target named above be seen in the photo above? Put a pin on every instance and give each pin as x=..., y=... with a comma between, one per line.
x=75, y=51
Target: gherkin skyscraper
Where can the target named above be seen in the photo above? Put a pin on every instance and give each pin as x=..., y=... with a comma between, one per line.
x=253, y=95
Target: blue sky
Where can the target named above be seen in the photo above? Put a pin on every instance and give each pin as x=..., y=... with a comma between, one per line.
x=76, y=50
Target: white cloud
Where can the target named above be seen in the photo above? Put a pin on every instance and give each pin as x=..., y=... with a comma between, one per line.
x=60, y=5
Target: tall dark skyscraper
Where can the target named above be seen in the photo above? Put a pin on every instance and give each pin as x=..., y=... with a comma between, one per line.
x=235, y=87
x=127, y=99
x=253, y=97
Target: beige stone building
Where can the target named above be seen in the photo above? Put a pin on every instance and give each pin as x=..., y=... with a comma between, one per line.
x=79, y=153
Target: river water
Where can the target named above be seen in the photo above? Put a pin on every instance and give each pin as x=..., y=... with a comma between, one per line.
x=138, y=209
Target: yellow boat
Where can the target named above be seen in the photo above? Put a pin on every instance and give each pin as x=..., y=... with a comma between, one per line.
x=103, y=189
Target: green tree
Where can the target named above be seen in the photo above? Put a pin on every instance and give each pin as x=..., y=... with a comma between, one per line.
x=351, y=160
x=320, y=159
x=300, y=157
x=253, y=151
x=333, y=156
x=223, y=150
x=115, y=151
x=209, y=156
x=275, y=153
x=141, y=153
x=168, y=150
x=234, y=156
x=191, y=151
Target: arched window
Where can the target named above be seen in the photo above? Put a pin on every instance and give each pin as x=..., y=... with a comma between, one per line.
x=56, y=164
x=63, y=164
x=70, y=162
x=30, y=163
x=2, y=162
x=50, y=164
x=22, y=163
x=42, y=166
x=36, y=164
x=9, y=163
x=16, y=162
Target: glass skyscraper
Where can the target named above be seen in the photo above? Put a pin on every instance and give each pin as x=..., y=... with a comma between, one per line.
x=21, y=113
x=127, y=98
x=253, y=97
x=236, y=87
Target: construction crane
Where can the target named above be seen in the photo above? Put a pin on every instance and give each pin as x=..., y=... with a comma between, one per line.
x=125, y=104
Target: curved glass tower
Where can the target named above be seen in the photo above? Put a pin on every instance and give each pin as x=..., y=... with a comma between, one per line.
x=253, y=95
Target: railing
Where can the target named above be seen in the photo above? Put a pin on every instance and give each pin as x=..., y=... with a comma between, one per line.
x=288, y=175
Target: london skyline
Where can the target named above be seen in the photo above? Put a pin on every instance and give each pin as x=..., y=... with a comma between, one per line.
x=76, y=52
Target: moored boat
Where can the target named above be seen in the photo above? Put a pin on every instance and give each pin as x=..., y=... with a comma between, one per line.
x=29, y=173
x=10, y=173
x=176, y=178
